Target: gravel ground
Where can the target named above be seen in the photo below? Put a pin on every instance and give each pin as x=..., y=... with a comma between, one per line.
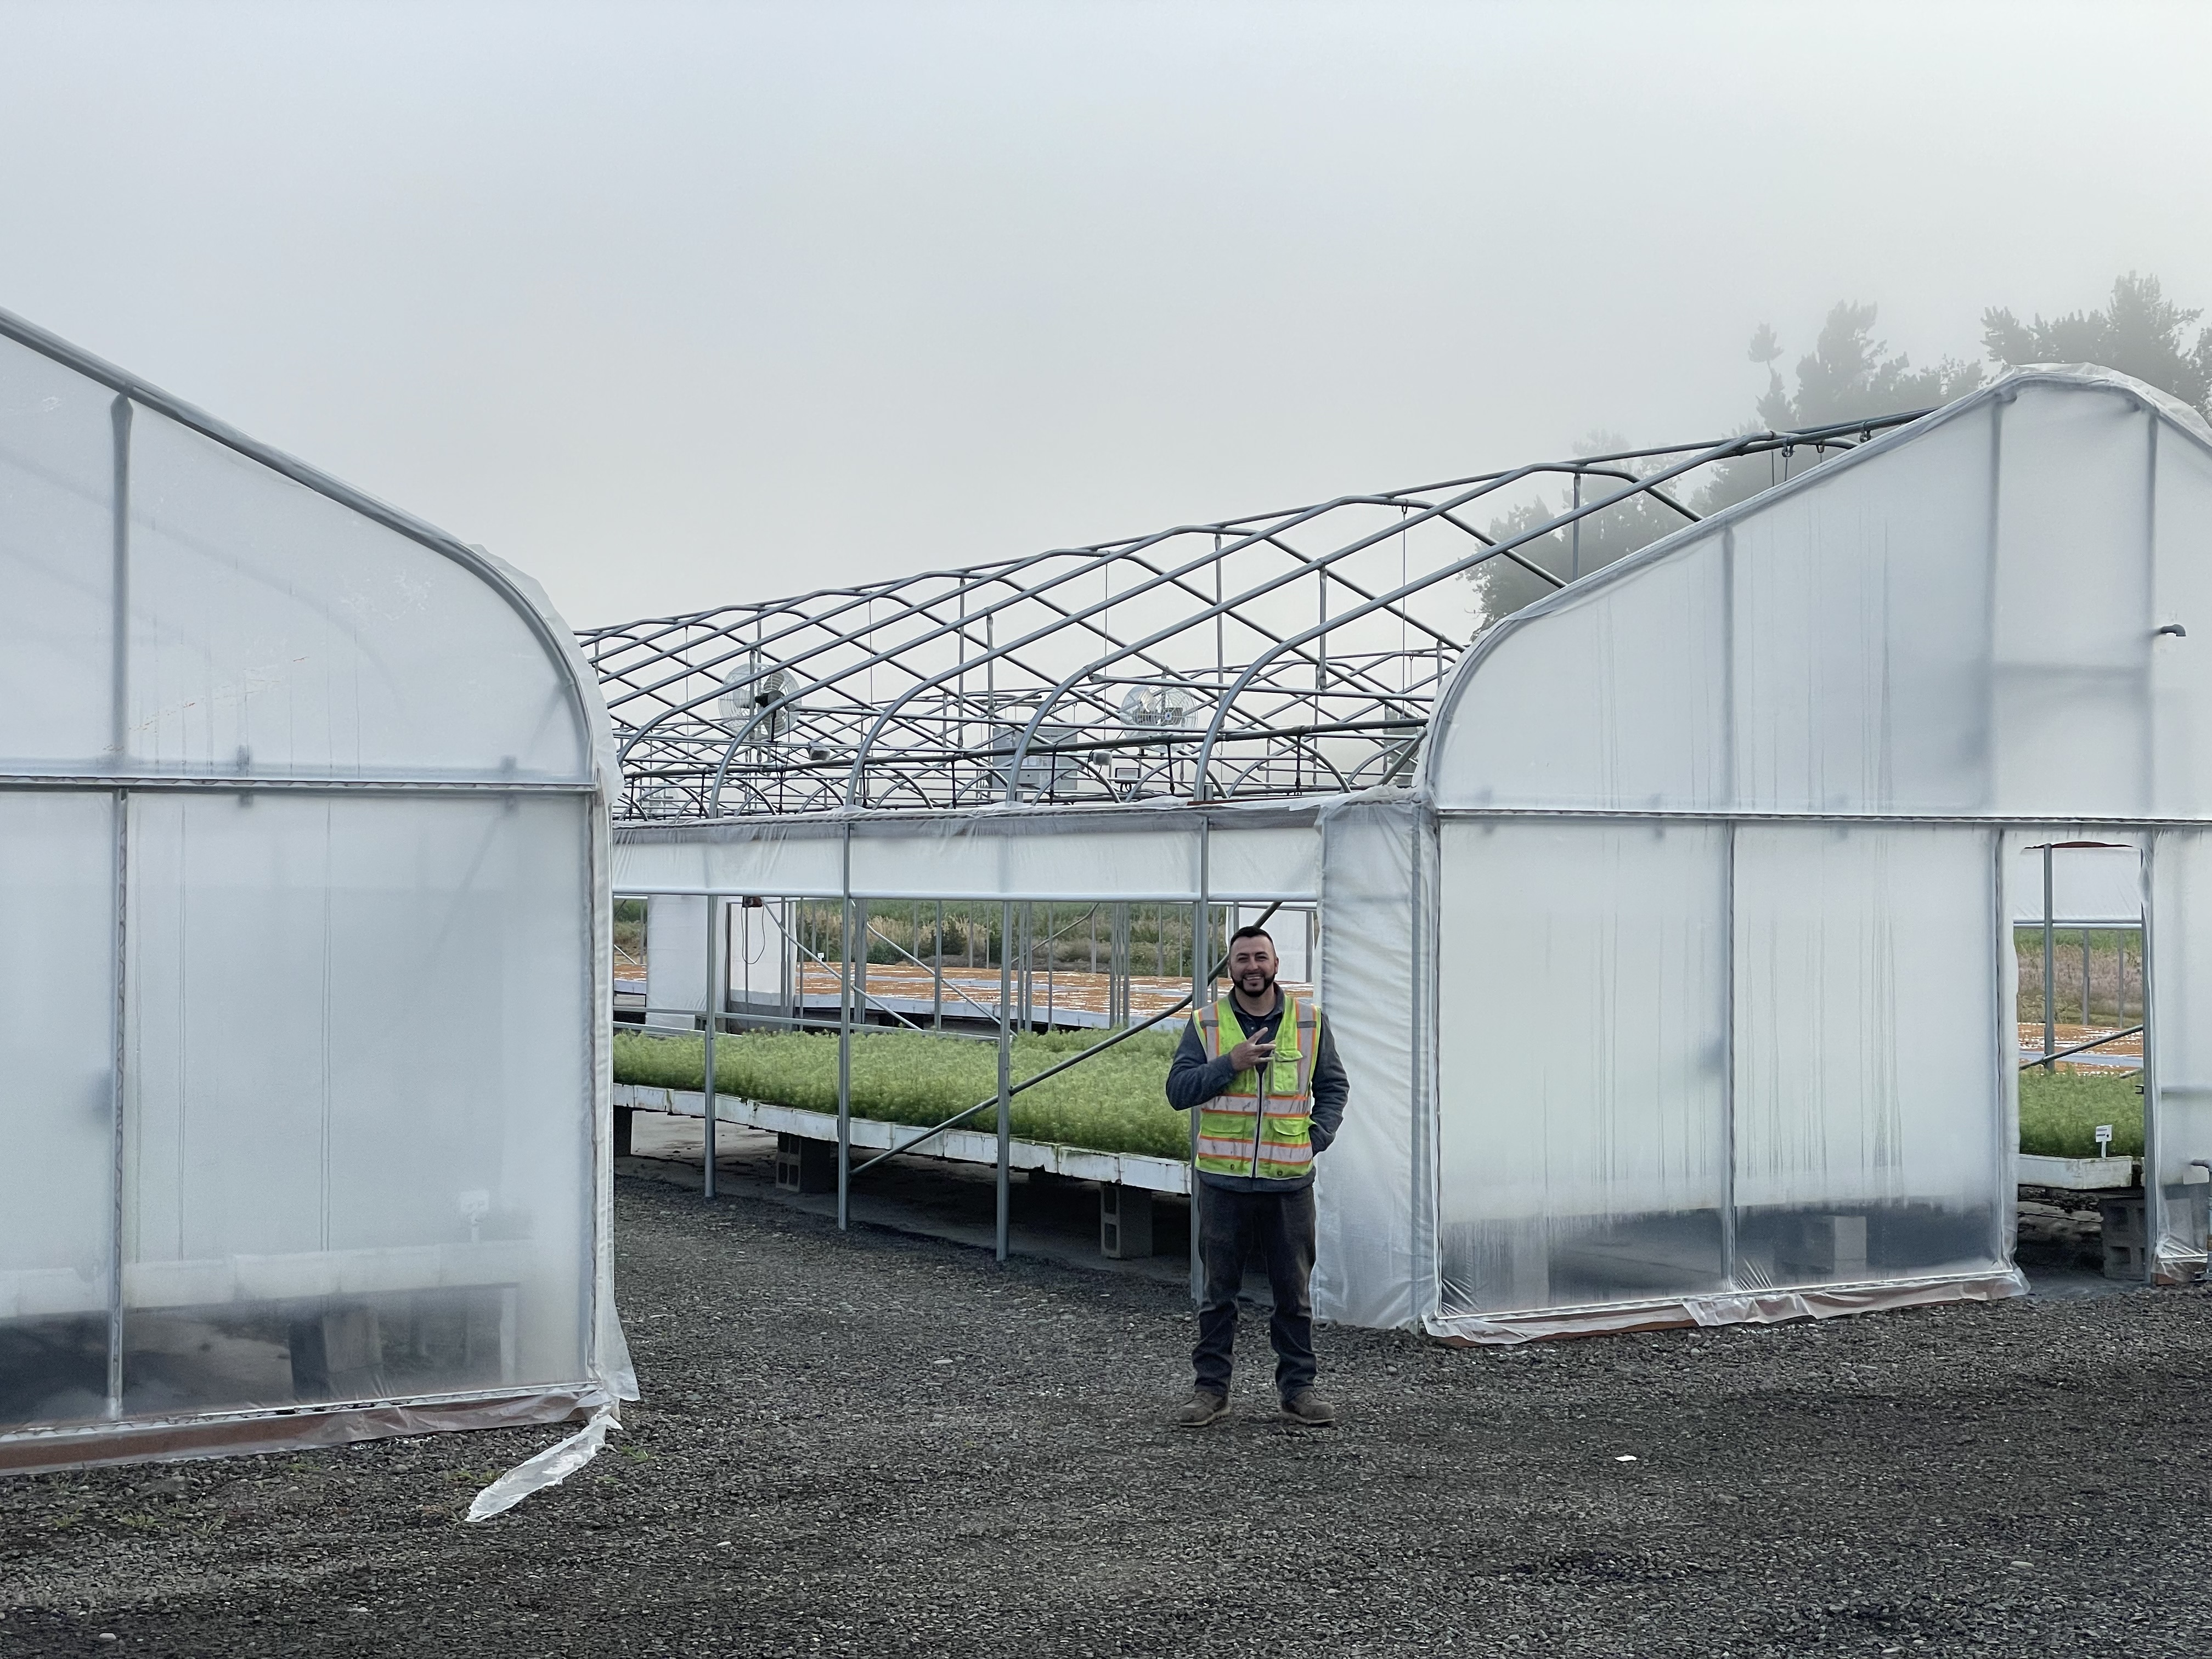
x=880, y=1445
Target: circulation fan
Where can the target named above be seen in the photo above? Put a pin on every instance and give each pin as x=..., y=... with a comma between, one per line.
x=752, y=688
x=1160, y=708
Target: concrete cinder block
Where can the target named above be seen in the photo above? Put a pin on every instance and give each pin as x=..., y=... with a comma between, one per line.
x=805, y=1165
x=1124, y=1222
x=1822, y=1246
x=2127, y=1246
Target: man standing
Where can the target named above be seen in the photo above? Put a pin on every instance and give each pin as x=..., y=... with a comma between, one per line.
x=1269, y=1092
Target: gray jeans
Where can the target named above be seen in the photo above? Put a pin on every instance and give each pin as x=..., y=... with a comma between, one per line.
x=1233, y=1228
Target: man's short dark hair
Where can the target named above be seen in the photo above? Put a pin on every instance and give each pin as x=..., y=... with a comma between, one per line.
x=1254, y=931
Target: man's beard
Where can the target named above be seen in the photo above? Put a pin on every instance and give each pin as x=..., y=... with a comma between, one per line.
x=1244, y=982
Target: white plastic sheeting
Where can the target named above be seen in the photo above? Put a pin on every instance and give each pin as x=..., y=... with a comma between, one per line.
x=1371, y=1188
x=1134, y=853
x=1581, y=1090
x=1733, y=844
x=303, y=997
x=2090, y=886
x=1957, y=619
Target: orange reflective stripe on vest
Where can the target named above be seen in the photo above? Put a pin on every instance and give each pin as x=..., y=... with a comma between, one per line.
x=1254, y=1131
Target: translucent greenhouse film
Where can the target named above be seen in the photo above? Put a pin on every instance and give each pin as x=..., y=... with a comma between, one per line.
x=303, y=991
x=1730, y=842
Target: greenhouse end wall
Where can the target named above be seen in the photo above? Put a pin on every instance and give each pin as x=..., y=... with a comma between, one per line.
x=303, y=850
x=1727, y=988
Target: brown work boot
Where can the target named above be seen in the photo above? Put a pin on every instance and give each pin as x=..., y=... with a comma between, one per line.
x=1310, y=1408
x=1204, y=1407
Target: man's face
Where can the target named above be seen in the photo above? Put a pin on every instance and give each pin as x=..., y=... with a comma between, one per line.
x=1252, y=966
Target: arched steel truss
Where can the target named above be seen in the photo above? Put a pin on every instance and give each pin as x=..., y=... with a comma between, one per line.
x=1276, y=654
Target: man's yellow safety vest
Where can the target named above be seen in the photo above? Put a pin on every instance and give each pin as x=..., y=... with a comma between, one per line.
x=1247, y=1130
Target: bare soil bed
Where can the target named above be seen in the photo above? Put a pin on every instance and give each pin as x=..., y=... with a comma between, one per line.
x=881, y=1444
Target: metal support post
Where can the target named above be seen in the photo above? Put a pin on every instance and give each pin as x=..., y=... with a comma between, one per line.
x=713, y=998
x=2086, y=1020
x=118, y=1148
x=118, y=1142
x=1201, y=987
x=785, y=992
x=1574, y=553
x=1117, y=966
x=845, y=984
x=2050, y=991
x=1005, y=1075
x=1029, y=965
x=936, y=972
x=856, y=951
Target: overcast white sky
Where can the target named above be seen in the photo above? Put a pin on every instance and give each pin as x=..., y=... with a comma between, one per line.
x=674, y=305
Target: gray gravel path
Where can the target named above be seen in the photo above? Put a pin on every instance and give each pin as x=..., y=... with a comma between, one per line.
x=880, y=1444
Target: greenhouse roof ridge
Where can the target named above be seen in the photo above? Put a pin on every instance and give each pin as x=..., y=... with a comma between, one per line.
x=1289, y=652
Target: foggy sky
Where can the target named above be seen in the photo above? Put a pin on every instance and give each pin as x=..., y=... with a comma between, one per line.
x=675, y=306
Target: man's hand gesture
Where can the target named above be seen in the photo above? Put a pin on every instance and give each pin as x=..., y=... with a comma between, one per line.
x=1249, y=1056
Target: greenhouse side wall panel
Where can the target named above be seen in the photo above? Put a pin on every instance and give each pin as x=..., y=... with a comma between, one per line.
x=1263, y=864
x=56, y=1081
x=348, y=1017
x=810, y=865
x=1581, y=1063
x=1870, y=1122
x=57, y=565
x=1857, y=615
x=959, y=858
x=1619, y=701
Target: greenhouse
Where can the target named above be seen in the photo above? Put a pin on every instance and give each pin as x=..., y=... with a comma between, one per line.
x=1653, y=825
x=303, y=854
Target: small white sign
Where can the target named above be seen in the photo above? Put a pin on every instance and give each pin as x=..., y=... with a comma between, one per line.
x=2103, y=1137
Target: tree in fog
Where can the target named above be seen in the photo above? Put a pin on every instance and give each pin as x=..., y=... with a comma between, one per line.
x=2142, y=333
x=1504, y=587
x=1850, y=376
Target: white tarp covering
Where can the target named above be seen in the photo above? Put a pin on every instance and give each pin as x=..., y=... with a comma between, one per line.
x=303, y=860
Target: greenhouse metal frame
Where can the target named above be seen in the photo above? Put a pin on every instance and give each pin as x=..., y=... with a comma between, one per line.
x=1314, y=640
x=281, y=768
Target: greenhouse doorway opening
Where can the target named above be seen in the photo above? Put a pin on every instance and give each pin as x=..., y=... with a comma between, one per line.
x=2082, y=934
x=923, y=1056
x=2078, y=934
